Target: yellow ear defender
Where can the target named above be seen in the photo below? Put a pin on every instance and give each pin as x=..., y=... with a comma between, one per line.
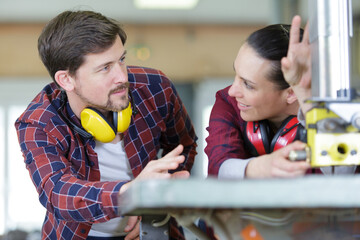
x=95, y=123
x=122, y=119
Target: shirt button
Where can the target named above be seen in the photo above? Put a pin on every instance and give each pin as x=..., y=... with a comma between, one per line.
x=91, y=163
x=83, y=230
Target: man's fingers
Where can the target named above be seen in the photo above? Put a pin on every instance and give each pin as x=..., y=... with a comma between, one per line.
x=180, y=175
x=163, y=162
x=159, y=169
x=133, y=228
x=135, y=233
x=175, y=152
x=160, y=166
x=166, y=163
x=132, y=220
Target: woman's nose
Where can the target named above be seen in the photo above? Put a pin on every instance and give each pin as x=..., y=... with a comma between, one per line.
x=235, y=90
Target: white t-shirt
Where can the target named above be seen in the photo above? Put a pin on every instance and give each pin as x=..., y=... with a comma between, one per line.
x=114, y=165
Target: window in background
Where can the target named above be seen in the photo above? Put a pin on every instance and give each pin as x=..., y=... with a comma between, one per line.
x=2, y=172
x=204, y=99
x=20, y=209
x=205, y=123
x=24, y=209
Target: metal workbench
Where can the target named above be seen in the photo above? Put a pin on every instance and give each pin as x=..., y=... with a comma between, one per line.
x=311, y=207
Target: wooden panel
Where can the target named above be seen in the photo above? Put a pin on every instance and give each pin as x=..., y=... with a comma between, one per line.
x=183, y=52
x=18, y=50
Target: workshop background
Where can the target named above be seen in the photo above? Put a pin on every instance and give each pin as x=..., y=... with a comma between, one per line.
x=194, y=45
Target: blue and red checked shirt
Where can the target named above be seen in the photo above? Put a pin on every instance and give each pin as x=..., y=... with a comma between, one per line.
x=64, y=166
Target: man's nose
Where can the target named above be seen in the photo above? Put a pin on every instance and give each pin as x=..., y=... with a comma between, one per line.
x=120, y=73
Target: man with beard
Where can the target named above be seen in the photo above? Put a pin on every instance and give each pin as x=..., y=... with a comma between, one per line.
x=98, y=128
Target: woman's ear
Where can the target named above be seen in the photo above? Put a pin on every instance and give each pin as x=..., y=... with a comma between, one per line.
x=63, y=78
x=290, y=96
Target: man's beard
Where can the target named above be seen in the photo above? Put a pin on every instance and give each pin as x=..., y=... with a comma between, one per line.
x=109, y=106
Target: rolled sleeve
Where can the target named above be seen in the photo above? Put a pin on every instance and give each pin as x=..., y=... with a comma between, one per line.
x=233, y=168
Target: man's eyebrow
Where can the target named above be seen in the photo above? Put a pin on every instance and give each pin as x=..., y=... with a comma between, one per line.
x=125, y=52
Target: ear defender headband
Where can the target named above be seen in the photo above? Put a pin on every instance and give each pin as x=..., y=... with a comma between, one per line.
x=258, y=138
x=95, y=123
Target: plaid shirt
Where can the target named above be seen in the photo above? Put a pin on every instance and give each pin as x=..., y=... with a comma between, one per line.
x=64, y=166
x=225, y=138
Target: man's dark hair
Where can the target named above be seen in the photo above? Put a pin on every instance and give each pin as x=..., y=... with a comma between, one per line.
x=272, y=43
x=71, y=35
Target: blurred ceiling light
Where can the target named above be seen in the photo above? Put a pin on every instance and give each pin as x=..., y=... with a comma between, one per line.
x=165, y=4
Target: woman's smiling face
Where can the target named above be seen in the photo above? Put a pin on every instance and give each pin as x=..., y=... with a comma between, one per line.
x=257, y=97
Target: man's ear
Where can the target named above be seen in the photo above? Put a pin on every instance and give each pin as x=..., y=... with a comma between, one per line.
x=290, y=96
x=63, y=78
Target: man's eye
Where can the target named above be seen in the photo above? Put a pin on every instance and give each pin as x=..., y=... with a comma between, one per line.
x=106, y=68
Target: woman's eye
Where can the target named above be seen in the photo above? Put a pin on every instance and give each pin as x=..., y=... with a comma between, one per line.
x=247, y=85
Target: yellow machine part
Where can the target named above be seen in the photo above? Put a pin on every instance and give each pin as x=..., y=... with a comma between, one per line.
x=331, y=149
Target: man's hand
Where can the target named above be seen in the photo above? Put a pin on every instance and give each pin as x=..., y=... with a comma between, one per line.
x=159, y=169
x=156, y=169
x=133, y=228
x=277, y=164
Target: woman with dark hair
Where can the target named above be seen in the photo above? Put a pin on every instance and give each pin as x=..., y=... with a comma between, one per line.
x=253, y=124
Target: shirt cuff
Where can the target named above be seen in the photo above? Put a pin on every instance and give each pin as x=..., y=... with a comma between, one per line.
x=233, y=168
